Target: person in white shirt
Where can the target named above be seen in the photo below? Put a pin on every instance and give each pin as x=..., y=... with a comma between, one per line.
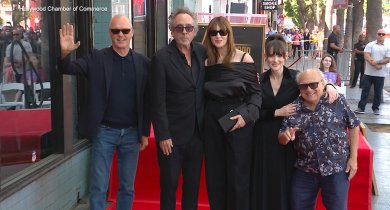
x=288, y=38
x=377, y=55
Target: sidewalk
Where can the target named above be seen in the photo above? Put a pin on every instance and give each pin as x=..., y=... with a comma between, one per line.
x=379, y=143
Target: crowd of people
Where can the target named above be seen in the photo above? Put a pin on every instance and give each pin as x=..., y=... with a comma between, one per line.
x=31, y=41
x=301, y=41
x=255, y=132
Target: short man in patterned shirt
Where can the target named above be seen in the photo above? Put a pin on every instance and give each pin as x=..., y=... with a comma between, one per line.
x=319, y=132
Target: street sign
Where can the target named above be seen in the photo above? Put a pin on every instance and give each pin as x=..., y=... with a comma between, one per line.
x=269, y=4
x=340, y=4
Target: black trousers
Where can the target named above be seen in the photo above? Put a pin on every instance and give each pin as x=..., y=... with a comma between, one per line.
x=295, y=48
x=187, y=159
x=306, y=46
x=227, y=160
x=359, y=69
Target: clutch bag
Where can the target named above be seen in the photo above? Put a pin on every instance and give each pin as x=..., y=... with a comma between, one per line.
x=226, y=123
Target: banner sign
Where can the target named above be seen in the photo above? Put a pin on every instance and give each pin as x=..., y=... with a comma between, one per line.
x=248, y=38
x=269, y=4
x=340, y=4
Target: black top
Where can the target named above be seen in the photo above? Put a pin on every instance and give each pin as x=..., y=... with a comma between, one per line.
x=121, y=111
x=360, y=47
x=273, y=163
x=195, y=67
x=306, y=37
x=332, y=39
x=239, y=81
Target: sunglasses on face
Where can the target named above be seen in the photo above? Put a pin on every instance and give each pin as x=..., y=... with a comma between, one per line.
x=381, y=34
x=15, y=34
x=220, y=32
x=180, y=29
x=312, y=85
x=117, y=31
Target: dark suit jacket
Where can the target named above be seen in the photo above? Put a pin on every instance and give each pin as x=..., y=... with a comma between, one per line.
x=97, y=68
x=177, y=102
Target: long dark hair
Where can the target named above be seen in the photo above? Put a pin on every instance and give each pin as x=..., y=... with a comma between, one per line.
x=212, y=52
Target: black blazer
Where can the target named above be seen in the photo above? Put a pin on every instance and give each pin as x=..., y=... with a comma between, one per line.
x=97, y=68
x=177, y=102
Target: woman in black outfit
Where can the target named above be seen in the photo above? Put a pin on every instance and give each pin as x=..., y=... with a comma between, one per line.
x=230, y=81
x=273, y=163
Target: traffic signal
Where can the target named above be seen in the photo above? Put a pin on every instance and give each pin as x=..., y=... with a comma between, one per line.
x=387, y=1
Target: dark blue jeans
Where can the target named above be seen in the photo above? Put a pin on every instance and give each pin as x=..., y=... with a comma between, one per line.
x=127, y=145
x=305, y=188
x=378, y=83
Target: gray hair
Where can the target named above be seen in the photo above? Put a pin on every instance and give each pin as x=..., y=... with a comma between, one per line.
x=315, y=70
x=182, y=10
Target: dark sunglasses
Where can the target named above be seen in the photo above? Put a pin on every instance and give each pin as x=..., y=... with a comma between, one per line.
x=312, y=85
x=220, y=32
x=179, y=29
x=15, y=34
x=381, y=34
x=124, y=31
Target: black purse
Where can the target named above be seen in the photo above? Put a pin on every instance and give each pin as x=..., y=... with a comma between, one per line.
x=226, y=123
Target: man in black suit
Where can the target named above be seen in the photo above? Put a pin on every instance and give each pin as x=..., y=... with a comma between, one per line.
x=177, y=79
x=116, y=113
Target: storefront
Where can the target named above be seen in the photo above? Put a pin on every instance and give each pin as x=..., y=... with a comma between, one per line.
x=44, y=161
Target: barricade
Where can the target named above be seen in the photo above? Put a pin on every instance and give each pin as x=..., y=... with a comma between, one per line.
x=307, y=62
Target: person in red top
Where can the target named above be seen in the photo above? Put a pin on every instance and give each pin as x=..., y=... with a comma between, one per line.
x=296, y=43
x=328, y=64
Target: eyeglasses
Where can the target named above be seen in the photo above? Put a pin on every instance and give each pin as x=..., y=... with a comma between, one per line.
x=381, y=34
x=220, y=32
x=124, y=31
x=312, y=85
x=15, y=34
x=179, y=29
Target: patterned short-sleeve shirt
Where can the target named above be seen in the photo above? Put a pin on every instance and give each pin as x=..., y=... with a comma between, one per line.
x=322, y=138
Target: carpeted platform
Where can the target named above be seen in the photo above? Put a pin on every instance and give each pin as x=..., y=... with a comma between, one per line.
x=147, y=191
x=20, y=135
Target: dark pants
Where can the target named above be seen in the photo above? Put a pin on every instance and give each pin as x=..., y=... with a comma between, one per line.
x=305, y=188
x=227, y=160
x=306, y=45
x=295, y=48
x=187, y=159
x=366, y=83
x=359, y=69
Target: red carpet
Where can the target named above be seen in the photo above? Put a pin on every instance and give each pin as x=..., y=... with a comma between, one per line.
x=147, y=191
x=20, y=134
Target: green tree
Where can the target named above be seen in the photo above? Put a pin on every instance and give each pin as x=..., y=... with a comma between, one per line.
x=305, y=13
x=385, y=7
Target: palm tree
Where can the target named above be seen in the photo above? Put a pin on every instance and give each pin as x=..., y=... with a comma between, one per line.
x=374, y=18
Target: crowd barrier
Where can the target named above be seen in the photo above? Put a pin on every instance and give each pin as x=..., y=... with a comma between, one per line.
x=307, y=62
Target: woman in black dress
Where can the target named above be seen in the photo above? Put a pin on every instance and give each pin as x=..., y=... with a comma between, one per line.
x=230, y=81
x=273, y=163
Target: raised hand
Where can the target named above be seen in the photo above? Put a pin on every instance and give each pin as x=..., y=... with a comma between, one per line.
x=66, y=40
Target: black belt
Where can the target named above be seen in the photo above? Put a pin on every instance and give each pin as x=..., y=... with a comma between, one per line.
x=229, y=100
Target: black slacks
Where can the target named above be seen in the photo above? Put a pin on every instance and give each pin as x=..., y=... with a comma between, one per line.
x=306, y=46
x=295, y=48
x=227, y=160
x=187, y=159
x=359, y=69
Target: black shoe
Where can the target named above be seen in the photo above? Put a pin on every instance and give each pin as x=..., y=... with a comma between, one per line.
x=352, y=86
x=360, y=86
